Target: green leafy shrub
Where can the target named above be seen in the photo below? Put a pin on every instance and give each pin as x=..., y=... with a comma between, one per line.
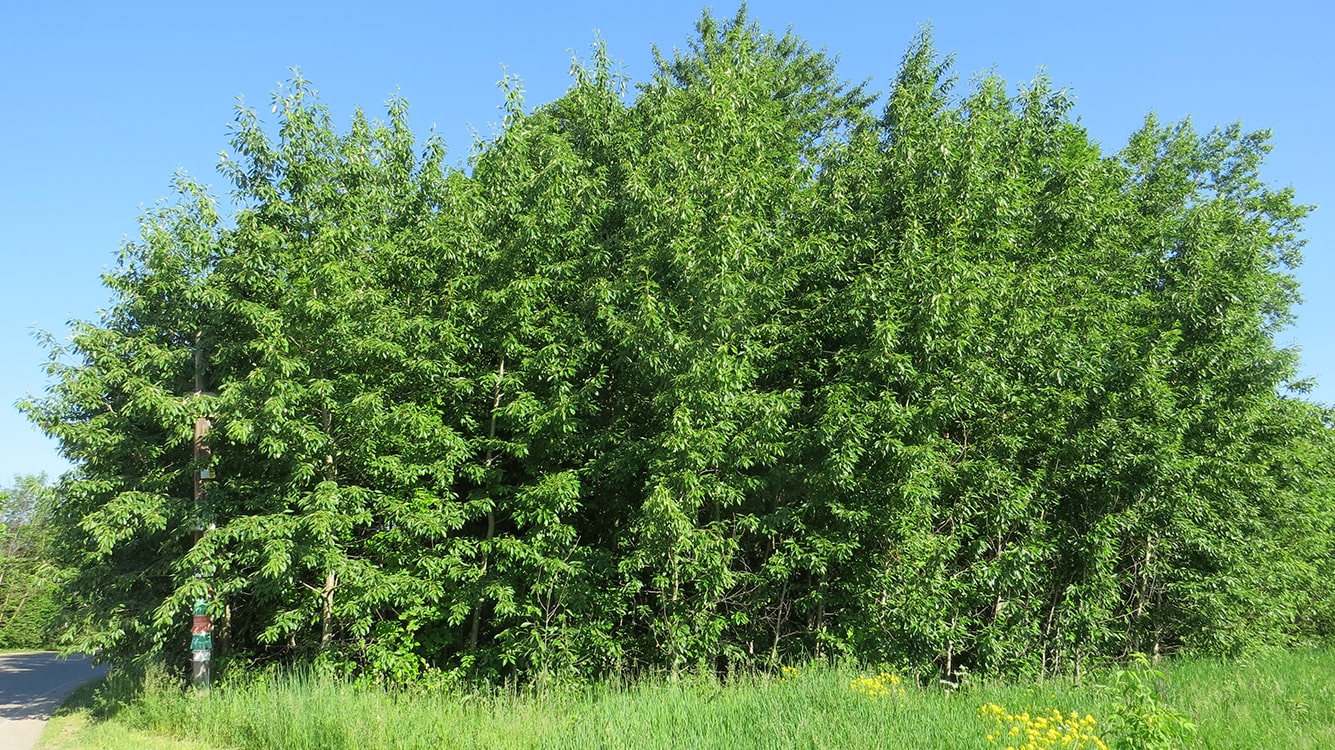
x=1141, y=720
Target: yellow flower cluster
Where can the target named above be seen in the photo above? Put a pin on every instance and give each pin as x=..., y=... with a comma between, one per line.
x=883, y=684
x=1042, y=731
x=787, y=673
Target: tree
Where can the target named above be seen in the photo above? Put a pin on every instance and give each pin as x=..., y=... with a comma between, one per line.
x=29, y=580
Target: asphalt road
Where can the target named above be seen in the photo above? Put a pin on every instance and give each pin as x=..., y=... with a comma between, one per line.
x=32, y=685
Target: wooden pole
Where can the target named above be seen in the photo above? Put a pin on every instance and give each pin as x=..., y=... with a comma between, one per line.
x=201, y=625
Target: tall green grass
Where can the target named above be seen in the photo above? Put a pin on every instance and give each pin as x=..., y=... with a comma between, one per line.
x=1281, y=700
x=1274, y=701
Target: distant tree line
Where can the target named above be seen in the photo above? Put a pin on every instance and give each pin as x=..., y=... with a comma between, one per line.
x=742, y=368
x=30, y=601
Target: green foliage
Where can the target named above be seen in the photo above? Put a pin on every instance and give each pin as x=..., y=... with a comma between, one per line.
x=1140, y=719
x=29, y=579
x=735, y=373
x=1281, y=700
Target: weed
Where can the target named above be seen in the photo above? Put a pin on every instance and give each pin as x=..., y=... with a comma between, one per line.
x=1140, y=718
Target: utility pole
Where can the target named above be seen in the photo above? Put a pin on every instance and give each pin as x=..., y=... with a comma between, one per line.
x=201, y=626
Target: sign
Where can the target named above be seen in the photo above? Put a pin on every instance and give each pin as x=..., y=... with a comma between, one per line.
x=201, y=629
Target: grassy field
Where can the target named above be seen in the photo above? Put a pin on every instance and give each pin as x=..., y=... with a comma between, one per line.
x=1273, y=701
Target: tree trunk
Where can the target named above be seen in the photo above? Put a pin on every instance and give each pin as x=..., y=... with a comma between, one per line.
x=327, y=610
x=491, y=511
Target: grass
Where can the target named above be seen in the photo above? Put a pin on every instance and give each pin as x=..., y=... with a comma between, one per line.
x=1279, y=700
x=1284, y=700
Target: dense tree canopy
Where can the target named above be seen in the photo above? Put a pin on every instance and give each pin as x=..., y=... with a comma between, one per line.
x=733, y=370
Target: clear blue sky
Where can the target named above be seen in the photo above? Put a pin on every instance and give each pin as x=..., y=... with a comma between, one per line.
x=103, y=102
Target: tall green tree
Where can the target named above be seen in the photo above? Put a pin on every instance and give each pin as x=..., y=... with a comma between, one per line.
x=122, y=406
x=732, y=131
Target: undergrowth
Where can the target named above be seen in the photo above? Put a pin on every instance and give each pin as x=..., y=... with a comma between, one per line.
x=1281, y=700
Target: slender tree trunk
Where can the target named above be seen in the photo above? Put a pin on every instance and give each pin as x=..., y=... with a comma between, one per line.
x=330, y=587
x=819, y=625
x=491, y=511
x=222, y=632
x=1143, y=592
x=778, y=622
x=327, y=610
x=203, y=454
